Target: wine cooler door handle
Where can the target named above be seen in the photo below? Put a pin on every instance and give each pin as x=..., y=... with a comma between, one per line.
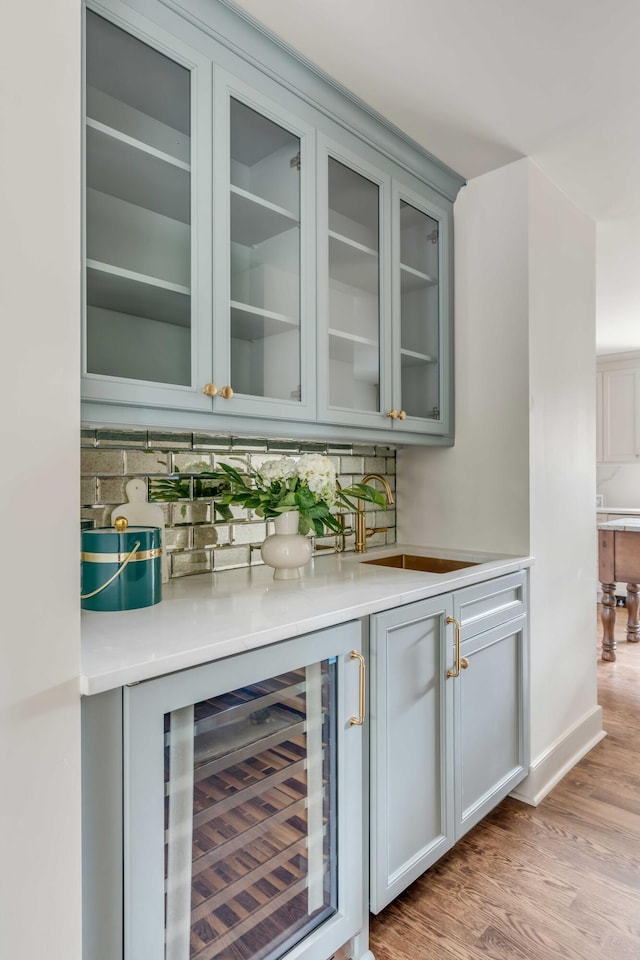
x=359, y=720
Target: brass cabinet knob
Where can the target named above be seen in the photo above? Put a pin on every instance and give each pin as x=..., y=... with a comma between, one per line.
x=210, y=389
x=226, y=393
x=402, y=415
x=464, y=663
x=393, y=414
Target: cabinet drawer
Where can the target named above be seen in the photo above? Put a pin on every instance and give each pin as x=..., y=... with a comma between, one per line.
x=488, y=604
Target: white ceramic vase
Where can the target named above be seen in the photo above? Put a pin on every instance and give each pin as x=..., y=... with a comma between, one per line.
x=286, y=550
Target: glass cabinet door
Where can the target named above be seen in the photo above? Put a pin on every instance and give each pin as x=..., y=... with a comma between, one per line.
x=352, y=291
x=238, y=837
x=265, y=286
x=139, y=201
x=422, y=347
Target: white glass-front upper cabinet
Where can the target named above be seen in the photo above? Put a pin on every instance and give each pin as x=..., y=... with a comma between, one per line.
x=147, y=335
x=422, y=384
x=265, y=256
x=354, y=290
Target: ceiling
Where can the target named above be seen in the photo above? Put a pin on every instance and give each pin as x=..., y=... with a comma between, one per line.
x=481, y=83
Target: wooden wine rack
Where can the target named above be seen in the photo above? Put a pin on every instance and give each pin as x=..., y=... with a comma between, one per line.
x=249, y=888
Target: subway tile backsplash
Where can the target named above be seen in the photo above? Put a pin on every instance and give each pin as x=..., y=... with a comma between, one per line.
x=198, y=540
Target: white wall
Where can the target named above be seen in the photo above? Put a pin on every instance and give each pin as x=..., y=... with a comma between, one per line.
x=39, y=422
x=562, y=466
x=521, y=476
x=618, y=285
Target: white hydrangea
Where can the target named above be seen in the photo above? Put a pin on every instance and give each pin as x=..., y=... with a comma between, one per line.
x=282, y=469
x=319, y=474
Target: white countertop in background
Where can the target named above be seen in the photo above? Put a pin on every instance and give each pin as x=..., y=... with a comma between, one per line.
x=623, y=523
x=620, y=511
x=210, y=616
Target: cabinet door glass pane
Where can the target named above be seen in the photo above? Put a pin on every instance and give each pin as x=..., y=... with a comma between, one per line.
x=265, y=256
x=250, y=832
x=419, y=313
x=138, y=209
x=354, y=290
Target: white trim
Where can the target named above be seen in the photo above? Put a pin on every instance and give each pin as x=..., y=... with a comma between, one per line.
x=557, y=760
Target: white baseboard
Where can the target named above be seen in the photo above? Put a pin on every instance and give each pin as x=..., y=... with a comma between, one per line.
x=551, y=766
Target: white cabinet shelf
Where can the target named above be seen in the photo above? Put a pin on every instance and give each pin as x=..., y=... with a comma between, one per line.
x=409, y=358
x=353, y=263
x=123, y=291
x=126, y=168
x=412, y=279
x=254, y=323
x=254, y=220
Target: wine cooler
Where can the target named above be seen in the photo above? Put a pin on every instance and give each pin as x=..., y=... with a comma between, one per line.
x=242, y=822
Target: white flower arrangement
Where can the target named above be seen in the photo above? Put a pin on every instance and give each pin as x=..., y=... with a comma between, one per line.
x=308, y=484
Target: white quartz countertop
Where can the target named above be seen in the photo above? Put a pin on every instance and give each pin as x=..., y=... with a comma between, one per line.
x=620, y=511
x=624, y=523
x=211, y=616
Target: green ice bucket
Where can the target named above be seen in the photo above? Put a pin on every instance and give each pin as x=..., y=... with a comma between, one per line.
x=121, y=567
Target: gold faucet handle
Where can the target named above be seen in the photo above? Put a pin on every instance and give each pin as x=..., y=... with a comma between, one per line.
x=369, y=532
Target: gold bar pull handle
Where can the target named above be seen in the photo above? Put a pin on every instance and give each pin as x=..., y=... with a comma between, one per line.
x=460, y=662
x=358, y=721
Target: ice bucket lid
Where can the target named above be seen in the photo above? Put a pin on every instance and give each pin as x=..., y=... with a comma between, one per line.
x=114, y=544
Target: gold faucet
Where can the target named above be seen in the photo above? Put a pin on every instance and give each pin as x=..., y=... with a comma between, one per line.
x=362, y=531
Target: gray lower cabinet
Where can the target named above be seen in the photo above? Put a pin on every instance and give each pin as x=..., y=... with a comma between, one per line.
x=449, y=723
x=241, y=829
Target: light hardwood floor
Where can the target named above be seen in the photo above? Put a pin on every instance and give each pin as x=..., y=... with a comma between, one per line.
x=555, y=882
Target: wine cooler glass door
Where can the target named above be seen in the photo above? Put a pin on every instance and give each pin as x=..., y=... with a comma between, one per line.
x=249, y=837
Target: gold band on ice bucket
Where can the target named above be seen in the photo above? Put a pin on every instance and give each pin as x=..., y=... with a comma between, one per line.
x=119, y=557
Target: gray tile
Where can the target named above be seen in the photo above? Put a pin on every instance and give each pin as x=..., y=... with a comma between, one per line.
x=194, y=462
x=177, y=538
x=226, y=558
x=146, y=462
x=87, y=437
x=248, y=532
x=89, y=491
x=223, y=532
x=101, y=462
x=385, y=451
x=112, y=490
x=390, y=466
x=205, y=535
x=190, y=562
x=163, y=440
x=283, y=446
x=339, y=449
x=190, y=513
x=374, y=464
x=122, y=438
x=203, y=441
x=100, y=515
x=361, y=450
x=385, y=518
x=249, y=444
x=312, y=446
x=352, y=465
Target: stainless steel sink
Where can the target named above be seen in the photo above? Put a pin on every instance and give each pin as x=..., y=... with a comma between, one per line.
x=409, y=561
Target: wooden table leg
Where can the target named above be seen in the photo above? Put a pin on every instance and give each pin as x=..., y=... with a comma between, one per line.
x=633, y=626
x=608, y=615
